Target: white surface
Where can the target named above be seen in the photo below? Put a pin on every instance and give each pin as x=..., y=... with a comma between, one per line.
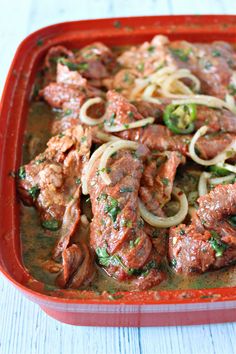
x=24, y=328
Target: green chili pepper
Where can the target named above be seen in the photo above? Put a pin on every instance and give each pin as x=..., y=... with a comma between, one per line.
x=179, y=118
x=218, y=171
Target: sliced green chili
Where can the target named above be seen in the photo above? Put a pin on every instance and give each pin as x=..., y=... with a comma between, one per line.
x=180, y=118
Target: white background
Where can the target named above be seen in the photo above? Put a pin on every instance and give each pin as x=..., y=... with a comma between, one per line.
x=24, y=328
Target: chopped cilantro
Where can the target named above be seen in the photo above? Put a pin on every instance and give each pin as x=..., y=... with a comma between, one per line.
x=83, y=139
x=218, y=246
x=140, y=67
x=21, y=172
x=52, y=224
x=232, y=220
x=151, y=49
x=126, y=189
x=165, y=181
x=34, y=192
x=181, y=54
x=112, y=208
x=78, y=181
x=73, y=66
x=216, y=53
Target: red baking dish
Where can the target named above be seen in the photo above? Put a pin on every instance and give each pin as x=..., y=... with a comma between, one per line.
x=147, y=308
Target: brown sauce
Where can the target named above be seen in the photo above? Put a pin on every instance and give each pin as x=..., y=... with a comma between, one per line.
x=37, y=243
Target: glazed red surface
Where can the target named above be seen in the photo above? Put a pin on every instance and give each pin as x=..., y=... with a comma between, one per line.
x=133, y=309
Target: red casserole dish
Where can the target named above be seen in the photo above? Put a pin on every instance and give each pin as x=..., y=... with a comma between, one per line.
x=146, y=308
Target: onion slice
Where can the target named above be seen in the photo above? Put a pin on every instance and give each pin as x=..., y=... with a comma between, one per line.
x=163, y=222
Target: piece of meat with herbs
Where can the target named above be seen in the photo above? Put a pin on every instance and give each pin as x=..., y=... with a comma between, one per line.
x=78, y=267
x=51, y=60
x=209, y=242
x=51, y=182
x=97, y=60
x=120, y=111
x=212, y=63
x=212, y=144
x=158, y=178
x=216, y=119
x=117, y=233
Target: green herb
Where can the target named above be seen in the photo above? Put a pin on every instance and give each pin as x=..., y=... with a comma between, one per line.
x=78, y=181
x=21, y=172
x=133, y=243
x=68, y=112
x=126, y=223
x=216, y=53
x=140, y=67
x=208, y=65
x=232, y=220
x=39, y=42
x=165, y=181
x=145, y=270
x=111, y=121
x=218, y=246
x=39, y=161
x=232, y=89
x=52, y=224
x=151, y=49
x=140, y=223
x=182, y=232
x=105, y=259
x=34, y=192
x=104, y=169
x=126, y=126
x=102, y=196
x=112, y=208
x=117, y=24
x=155, y=233
x=61, y=135
x=181, y=54
x=83, y=139
x=130, y=114
x=73, y=66
x=126, y=189
x=126, y=77
x=173, y=263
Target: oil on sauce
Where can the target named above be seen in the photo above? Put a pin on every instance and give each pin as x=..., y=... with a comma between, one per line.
x=37, y=243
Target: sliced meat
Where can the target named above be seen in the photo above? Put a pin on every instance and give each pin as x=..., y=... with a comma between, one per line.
x=117, y=233
x=216, y=119
x=97, y=61
x=78, y=267
x=57, y=94
x=50, y=181
x=149, y=109
x=210, y=240
x=158, y=178
x=212, y=63
x=212, y=144
x=157, y=137
x=51, y=60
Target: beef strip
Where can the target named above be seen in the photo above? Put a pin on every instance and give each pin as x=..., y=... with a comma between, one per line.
x=159, y=137
x=49, y=182
x=97, y=60
x=117, y=233
x=213, y=64
x=209, y=242
x=158, y=178
x=78, y=266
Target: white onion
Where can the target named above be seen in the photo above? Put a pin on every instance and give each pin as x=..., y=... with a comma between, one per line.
x=164, y=222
